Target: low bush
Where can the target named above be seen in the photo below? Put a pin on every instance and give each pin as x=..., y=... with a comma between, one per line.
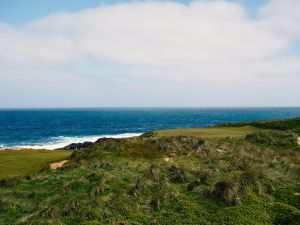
x=249, y=182
x=286, y=124
x=273, y=138
x=227, y=191
x=255, y=180
x=289, y=195
x=243, y=215
x=285, y=214
x=165, y=193
x=177, y=175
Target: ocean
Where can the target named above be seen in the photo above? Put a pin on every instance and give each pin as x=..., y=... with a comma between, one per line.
x=55, y=128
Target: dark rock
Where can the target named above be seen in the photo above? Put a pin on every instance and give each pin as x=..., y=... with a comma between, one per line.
x=76, y=146
x=87, y=144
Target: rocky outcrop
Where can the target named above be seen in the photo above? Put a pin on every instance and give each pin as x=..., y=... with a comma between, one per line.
x=76, y=146
x=87, y=144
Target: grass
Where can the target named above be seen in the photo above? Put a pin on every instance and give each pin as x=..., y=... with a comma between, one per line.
x=21, y=163
x=214, y=132
x=118, y=181
x=275, y=138
x=211, y=179
x=284, y=124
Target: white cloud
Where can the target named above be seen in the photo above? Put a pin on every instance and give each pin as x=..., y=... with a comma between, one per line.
x=207, y=43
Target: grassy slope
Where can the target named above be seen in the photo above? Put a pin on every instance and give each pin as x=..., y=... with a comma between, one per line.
x=20, y=163
x=284, y=124
x=220, y=132
x=127, y=181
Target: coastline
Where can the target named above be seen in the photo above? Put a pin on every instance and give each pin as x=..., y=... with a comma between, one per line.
x=61, y=142
x=52, y=129
x=182, y=171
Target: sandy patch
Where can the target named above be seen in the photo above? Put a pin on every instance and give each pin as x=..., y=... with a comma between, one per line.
x=56, y=165
x=168, y=159
x=220, y=150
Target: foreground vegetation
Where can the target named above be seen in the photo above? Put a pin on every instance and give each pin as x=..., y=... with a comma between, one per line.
x=21, y=163
x=163, y=178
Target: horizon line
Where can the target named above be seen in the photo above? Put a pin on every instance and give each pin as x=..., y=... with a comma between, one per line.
x=143, y=107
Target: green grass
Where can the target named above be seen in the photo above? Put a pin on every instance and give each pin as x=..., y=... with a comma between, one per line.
x=284, y=124
x=218, y=132
x=275, y=138
x=20, y=163
x=110, y=183
x=210, y=180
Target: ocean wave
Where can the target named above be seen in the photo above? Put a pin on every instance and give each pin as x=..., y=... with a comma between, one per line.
x=61, y=141
x=2, y=146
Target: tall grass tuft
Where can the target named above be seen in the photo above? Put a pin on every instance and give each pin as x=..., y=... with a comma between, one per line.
x=177, y=175
x=227, y=191
x=255, y=180
x=138, y=187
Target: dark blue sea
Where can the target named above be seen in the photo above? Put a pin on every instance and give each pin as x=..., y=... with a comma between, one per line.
x=54, y=128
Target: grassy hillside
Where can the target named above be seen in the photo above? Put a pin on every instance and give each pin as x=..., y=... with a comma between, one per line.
x=219, y=132
x=284, y=124
x=20, y=163
x=166, y=178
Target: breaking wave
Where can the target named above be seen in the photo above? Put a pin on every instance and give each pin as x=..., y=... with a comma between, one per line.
x=61, y=141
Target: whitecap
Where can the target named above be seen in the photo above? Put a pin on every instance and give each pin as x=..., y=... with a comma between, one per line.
x=61, y=141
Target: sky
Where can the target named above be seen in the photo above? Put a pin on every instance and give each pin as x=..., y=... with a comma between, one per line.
x=205, y=53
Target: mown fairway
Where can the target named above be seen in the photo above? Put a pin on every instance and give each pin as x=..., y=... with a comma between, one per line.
x=20, y=163
x=214, y=132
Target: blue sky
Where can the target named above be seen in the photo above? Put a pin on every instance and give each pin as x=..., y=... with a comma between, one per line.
x=56, y=53
x=18, y=12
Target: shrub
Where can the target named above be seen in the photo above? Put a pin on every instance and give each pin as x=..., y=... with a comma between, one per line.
x=243, y=215
x=285, y=214
x=177, y=175
x=286, y=124
x=273, y=138
x=192, y=185
x=226, y=191
x=202, y=178
x=164, y=194
x=289, y=195
x=254, y=180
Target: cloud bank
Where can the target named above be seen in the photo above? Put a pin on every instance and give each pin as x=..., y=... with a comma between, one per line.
x=207, y=53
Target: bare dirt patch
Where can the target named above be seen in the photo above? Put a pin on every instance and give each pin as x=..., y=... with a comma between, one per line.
x=168, y=159
x=57, y=165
